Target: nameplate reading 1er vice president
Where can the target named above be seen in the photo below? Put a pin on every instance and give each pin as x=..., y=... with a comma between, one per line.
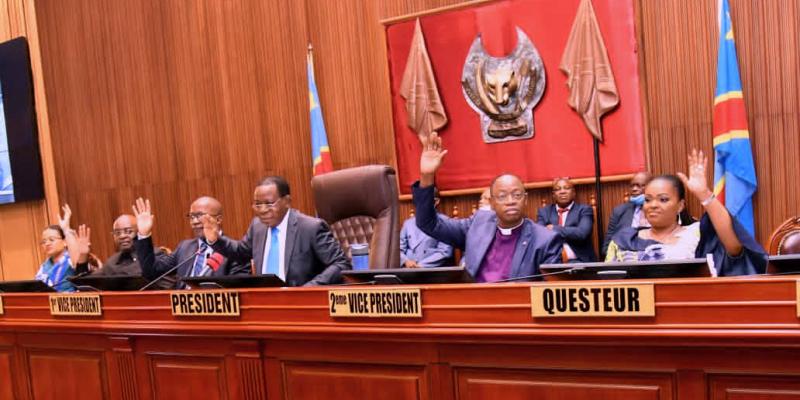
x=75, y=304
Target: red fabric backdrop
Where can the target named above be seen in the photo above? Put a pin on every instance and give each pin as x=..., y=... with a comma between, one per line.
x=561, y=146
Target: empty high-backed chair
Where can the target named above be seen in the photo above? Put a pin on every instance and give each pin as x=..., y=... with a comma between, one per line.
x=360, y=204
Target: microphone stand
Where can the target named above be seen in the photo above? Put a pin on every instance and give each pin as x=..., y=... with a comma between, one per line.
x=171, y=270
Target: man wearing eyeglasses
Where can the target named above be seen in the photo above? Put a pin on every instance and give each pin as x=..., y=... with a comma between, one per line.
x=299, y=249
x=572, y=221
x=498, y=244
x=125, y=262
x=196, y=256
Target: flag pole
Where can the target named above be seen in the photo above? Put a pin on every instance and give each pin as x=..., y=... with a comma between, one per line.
x=598, y=194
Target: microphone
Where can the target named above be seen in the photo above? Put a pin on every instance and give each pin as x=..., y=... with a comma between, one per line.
x=171, y=270
x=213, y=262
x=529, y=277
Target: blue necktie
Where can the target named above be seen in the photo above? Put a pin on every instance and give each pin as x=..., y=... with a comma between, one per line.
x=200, y=260
x=273, y=258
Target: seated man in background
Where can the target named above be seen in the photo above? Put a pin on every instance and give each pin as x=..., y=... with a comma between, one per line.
x=420, y=250
x=629, y=214
x=571, y=220
x=497, y=245
x=125, y=262
x=299, y=249
x=192, y=257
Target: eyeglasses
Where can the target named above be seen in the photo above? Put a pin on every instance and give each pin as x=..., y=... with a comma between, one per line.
x=199, y=215
x=122, y=232
x=516, y=196
x=263, y=205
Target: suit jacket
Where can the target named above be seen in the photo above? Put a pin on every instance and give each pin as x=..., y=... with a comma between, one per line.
x=577, y=229
x=154, y=266
x=312, y=255
x=536, y=245
x=425, y=250
x=621, y=217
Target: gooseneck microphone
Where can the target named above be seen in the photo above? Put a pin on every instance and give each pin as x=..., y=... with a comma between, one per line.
x=529, y=277
x=171, y=270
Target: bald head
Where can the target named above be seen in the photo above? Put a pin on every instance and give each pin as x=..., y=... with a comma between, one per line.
x=202, y=206
x=639, y=181
x=123, y=231
x=509, y=200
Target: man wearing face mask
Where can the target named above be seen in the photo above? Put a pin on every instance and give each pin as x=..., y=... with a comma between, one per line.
x=629, y=215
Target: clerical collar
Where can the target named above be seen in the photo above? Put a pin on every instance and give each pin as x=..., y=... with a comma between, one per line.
x=508, y=231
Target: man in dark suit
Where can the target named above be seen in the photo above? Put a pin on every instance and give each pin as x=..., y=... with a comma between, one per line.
x=193, y=257
x=498, y=244
x=572, y=221
x=299, y=249
x=630, y=213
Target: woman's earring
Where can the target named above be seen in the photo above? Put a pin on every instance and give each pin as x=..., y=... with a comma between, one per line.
x=679, y=219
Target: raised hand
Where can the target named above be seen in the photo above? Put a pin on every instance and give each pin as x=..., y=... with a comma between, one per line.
x=63, y=219
x=84, y=240
x=144, y=217
x=431, y=158
x=210, y=228
x=696, y=182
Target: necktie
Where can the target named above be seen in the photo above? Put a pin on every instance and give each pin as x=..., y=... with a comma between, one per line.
x=273, y=260
x=200, y=259
x=561, y=213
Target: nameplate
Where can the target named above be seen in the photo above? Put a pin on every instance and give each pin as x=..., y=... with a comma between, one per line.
x=375, y=303
x=1, y=305
x=205, y=304
x=593, y=300
x=796, y=293
x=75, y=304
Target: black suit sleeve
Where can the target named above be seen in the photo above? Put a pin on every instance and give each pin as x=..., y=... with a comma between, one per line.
x=581, y=232
x=236, y=249
x=541, y=216
x=329, y=253
x=153, y=266
x=613, y=227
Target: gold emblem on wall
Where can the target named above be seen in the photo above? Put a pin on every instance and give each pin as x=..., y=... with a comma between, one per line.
x=504, y=91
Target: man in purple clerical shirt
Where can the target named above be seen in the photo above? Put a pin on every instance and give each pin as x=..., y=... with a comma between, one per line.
x=498, y=244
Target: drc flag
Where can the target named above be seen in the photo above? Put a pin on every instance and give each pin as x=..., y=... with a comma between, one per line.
x=734, y=171
x=320, y=152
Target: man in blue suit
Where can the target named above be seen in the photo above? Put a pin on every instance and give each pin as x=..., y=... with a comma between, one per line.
x=498, y=244
x=571, y=220
x=630, y=213
x=420, y=250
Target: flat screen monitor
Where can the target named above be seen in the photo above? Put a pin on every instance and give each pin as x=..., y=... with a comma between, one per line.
x=409, y=276
x=20, y=161
x=30, y=286
x=786, y=264
x=696, y=267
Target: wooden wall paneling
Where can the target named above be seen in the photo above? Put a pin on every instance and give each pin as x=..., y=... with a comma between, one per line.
x=247, y=364
x=355, y=381
x=67, y=374
x=7, y=375
x=747, y=386
x=351, y=68
x=124, y=382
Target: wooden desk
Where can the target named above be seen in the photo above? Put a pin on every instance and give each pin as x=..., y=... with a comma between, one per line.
x=725, y=338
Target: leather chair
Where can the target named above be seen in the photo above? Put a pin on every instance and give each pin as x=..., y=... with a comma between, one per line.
x=786, y=239
x=361, y=206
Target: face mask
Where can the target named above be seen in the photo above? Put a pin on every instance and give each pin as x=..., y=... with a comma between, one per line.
x=485, y=208
x=637, y=200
